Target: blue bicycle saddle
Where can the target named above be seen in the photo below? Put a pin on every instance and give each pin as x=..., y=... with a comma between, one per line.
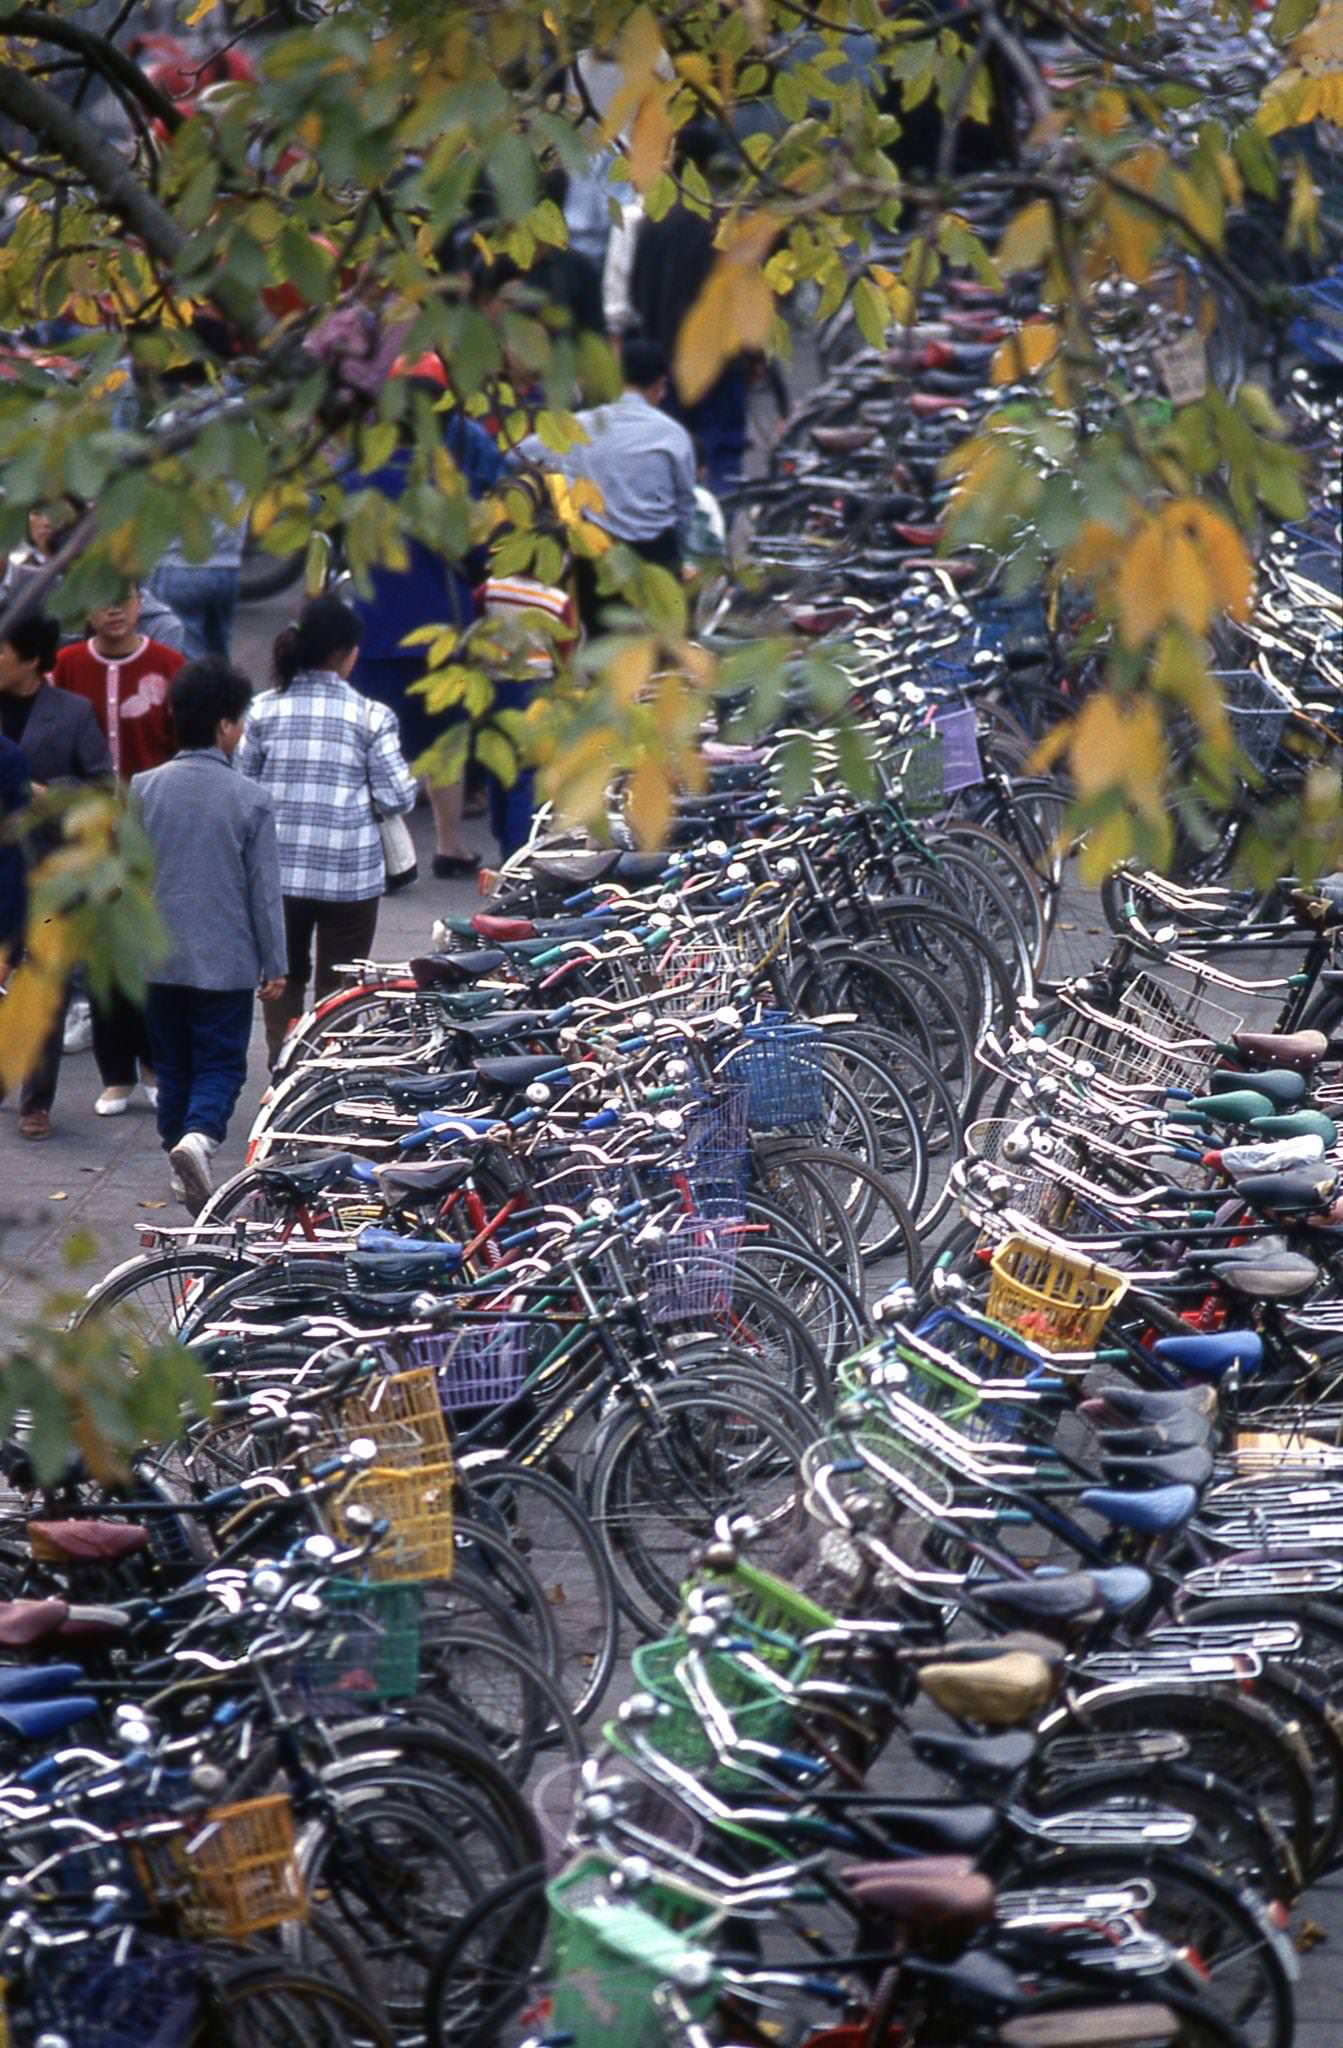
x=1151, y=1514
x=39, y=1681
x=34, y=1720
x=1213, y=1354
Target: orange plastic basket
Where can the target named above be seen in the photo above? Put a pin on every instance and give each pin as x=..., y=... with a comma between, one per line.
x=229, y=1875
x=416, y=1502
x=402, y=1413
x=1054, y=1299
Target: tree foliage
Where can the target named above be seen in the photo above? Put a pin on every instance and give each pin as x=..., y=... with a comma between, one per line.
x=294, y=226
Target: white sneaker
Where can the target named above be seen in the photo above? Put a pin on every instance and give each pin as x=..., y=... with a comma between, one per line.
x=177, y=1187
x=113, y=1102
x=151, y=1095
x=190, y=1161
x=78, y=1027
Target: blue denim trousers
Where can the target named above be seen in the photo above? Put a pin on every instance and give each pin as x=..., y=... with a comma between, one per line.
x=199, y=1039
x=204, y=599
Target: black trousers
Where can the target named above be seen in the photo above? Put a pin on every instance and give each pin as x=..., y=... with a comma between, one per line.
x=339, y=932
x=120, y=1041
x=663, y=551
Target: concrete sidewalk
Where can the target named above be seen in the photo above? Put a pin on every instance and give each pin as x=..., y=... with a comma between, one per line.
x=107, y=1175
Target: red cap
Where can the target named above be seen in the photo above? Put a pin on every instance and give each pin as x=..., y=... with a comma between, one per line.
x=428, y=365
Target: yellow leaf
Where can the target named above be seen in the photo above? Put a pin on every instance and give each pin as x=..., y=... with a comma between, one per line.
x=629, y=669
x=1319, y=47
x=733, y=312
x=650, y=137
x=26, y=1016
x=649, y=801
x=1133, y=236
x=1201, y=209
x=199, y=12
x=1304, y=211
x=1141, y=595
x=1026, y=238
x=1096, y=550
x=1024, y=351
x=1224, y=553
x=1185, y=563
x=1108, y=112
x=1104, y=847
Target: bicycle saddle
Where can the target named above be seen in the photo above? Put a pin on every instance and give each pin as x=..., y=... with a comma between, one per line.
x=1002, y=1691
x=373, y=1243
x=1283, y=1087
x=637, y=870
x=1301, y=1049
x=431, y=1177
x=1064, y=1599
x=506, y=1075
x=504, y=1024
x=1237, y=1106
x=1168, y=1468
x=575, y=868
x=38, y=1681
x=1297, y=1123
x=1122, y=1586
x=841, y=440
x=313, y=1177
x=1298, y=1193
x=989, y=1760
x=1279, y=1278
x=1259, y=1248
x=453, y=970
x=424, y=1091
x=1180, y=1433
x=29, y=1621
x=918, y=1825
x=493, y=925
x=1214, y=1353
x=1143, y=1404
x=1150, y=1514
x=86, y=1542
x=34, y=1720
x=929, y=1900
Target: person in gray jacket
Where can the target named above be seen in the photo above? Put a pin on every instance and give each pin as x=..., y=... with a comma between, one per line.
x=218, y=892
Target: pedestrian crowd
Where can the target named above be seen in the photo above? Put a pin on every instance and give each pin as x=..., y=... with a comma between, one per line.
x=273, y=814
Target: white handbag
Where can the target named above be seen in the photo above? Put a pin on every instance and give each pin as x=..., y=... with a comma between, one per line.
x=398, y=853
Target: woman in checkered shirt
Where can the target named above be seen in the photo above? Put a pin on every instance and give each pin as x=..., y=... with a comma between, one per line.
x=332, y=762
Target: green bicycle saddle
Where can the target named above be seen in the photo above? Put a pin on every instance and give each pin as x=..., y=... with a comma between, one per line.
x=1237, y=1106
x=1283, y=1088
x=1298, y=1123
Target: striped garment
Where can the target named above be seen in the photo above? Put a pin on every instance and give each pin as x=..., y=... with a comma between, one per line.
x=508, y=602
x=332, y=762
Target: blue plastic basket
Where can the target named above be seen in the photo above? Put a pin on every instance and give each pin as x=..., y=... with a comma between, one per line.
x=716, y=1125
x=1317, y=332
x=148, y=2000
x=1015, y=623
x=785, y=1084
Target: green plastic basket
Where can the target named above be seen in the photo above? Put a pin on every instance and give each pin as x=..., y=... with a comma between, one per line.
x=758, y=1714
x=369, y=1648
x=918, y=770
x=773, y=1615
x=609, y=1955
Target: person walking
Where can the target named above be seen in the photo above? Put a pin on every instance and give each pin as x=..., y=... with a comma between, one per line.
x=217, y=884
x=332, y=762
x=643, y=463
x=62, y=743
x=124, y=676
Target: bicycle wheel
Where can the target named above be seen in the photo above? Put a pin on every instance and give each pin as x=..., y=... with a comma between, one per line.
x=664, y=1474
x=274, y=2005
x=879, y=1219
x=153, y=1296
x=497, y=1692
x=483, y=1972
x=548, y=1527
x=1011, y=869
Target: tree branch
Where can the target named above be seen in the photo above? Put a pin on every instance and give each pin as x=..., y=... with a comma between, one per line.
x=33, y=25
x=79, y=144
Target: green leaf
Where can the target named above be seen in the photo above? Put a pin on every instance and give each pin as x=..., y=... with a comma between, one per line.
x=1290, y=17
x=793, y=770
x=1258, y=165
x=790, y=96
x=497, y=754
x=872, y=312
x=855, y=761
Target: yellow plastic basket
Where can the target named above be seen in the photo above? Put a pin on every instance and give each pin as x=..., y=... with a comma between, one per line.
x=402, y=1413
x=416, y=1502
x=1055, y=1299
x=229, y=1876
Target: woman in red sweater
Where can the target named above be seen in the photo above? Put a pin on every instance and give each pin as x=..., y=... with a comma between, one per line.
x=125, y=677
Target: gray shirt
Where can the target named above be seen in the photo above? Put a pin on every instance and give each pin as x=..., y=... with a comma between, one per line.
x=641, y=460
x=217, y=872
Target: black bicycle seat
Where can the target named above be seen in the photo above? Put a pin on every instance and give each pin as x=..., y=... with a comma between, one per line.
x=454, y=970
x=988, y=1760
x=1294, y=1193
x=1280, y=1278
x=504, y=1024
x=430, y=1177
x=1038, y=1601
x=507, y=1075
x=301, y=1182
x=1143, y=1404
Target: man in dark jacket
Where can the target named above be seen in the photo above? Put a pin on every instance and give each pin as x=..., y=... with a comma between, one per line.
x=62, y=742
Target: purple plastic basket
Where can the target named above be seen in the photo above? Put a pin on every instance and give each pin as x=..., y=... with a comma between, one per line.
x=692, y=1274
x=961, y=765
x=479, y=1364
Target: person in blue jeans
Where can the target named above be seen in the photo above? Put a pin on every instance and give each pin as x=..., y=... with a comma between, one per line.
x=217, y=885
